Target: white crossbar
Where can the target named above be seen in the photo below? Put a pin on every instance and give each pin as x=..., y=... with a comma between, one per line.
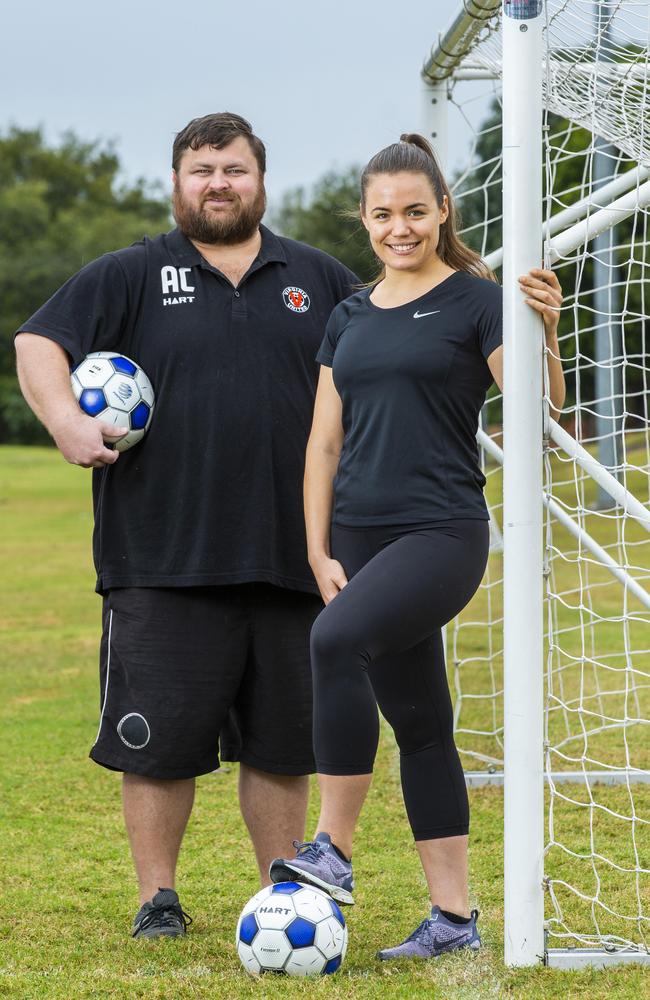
x=576, y=530
x=459, y=38
x=604, y=197
x=593, y=468
x=564, y=243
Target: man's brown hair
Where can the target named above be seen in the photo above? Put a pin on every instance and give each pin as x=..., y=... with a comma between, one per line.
x=218, y=131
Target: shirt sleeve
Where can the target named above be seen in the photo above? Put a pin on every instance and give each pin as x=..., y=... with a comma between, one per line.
x=490, y=318
x=88, y=313
x=350, y=283
x=327, y=348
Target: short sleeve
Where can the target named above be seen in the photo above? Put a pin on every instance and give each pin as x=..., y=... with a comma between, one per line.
x=490, y=317
x=348, y=282
x=327, y=348
x=88, y=313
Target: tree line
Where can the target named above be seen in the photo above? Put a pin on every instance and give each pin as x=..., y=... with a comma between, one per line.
x=60, y=207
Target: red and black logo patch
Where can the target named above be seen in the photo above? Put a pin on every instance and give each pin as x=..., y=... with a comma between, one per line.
x=296, y=299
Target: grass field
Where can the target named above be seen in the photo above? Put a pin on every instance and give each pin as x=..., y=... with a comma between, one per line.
x=68, y=894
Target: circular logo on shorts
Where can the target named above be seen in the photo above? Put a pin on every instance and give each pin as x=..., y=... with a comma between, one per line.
x=296, y=299
x=133, y=730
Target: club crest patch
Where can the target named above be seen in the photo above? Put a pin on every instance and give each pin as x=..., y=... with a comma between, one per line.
x=296, y=299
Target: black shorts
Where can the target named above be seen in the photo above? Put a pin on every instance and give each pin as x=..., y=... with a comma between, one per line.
x=190, y=672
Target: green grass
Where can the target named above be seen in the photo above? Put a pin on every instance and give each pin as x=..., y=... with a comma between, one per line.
x=68, y=893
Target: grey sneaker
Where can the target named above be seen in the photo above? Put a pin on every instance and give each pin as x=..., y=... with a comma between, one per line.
x=434, y=936
x=317, y=863
x=162, y=916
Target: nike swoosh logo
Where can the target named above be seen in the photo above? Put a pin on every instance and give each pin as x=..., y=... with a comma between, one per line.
x=452, y=944
x=419, y=315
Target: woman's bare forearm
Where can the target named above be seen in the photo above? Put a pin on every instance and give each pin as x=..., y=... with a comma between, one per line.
x=320, y=468
x=556, y=382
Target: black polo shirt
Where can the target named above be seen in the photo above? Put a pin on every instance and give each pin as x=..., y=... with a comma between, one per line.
x=412, y=380
x=213, y=494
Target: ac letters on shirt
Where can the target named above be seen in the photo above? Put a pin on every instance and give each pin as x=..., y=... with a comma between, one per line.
x=174, y=279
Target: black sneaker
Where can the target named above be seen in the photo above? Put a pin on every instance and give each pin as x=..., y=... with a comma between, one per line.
x=162, y=916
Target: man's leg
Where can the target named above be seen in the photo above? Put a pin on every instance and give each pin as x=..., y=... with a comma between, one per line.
x=171, y=664
x=269, y=728
x=274, y=808
x=156, y=814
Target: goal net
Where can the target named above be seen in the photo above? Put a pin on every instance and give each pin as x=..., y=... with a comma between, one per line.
x=596, y=457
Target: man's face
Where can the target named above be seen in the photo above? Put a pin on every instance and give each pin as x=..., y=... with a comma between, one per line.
x=219, y=194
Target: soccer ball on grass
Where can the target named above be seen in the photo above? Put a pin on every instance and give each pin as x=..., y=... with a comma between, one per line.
x=293, y=929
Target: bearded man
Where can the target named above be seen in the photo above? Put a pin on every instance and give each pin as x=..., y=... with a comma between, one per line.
x=199, y=541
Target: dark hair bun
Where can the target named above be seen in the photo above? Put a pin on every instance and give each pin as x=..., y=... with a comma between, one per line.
x=415, y=139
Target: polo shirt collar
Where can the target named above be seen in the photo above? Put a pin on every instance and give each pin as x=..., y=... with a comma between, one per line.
x=186, y=253
x=271, y=249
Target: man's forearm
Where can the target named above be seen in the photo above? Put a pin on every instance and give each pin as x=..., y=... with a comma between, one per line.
x=44, y=377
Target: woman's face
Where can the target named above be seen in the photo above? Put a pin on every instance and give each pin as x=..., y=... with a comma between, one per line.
x=403, y=219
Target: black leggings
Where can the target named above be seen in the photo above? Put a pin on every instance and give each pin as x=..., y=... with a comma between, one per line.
x=379, y=643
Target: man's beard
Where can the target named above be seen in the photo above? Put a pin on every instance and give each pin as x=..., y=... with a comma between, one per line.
x=205, y=227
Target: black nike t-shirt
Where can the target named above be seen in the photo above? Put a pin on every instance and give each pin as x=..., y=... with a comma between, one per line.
x=412, y=380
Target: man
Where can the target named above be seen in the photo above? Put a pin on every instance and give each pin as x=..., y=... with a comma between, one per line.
x=199, y=540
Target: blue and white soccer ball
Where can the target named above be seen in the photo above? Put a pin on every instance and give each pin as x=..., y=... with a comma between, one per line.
x=114, y=389
x=293, y=929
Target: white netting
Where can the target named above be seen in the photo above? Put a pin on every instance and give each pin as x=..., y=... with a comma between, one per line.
x=596, y=77
x=597, y=553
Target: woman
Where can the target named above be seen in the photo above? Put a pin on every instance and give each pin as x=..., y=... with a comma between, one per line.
x=397, y=525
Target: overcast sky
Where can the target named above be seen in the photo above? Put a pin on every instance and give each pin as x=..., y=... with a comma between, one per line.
x=324, y=85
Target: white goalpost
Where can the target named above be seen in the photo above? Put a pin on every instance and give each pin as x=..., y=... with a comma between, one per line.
x=550, y=664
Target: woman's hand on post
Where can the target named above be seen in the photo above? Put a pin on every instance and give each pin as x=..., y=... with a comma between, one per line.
x=330, y=576
x=543, y=294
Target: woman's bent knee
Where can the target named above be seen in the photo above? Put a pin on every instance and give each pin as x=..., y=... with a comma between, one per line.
x=335, y=645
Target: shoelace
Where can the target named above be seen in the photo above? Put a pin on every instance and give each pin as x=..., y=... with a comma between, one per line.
x=421, y=930
x=428, y=925
x=165, y=915
x=309, y=851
